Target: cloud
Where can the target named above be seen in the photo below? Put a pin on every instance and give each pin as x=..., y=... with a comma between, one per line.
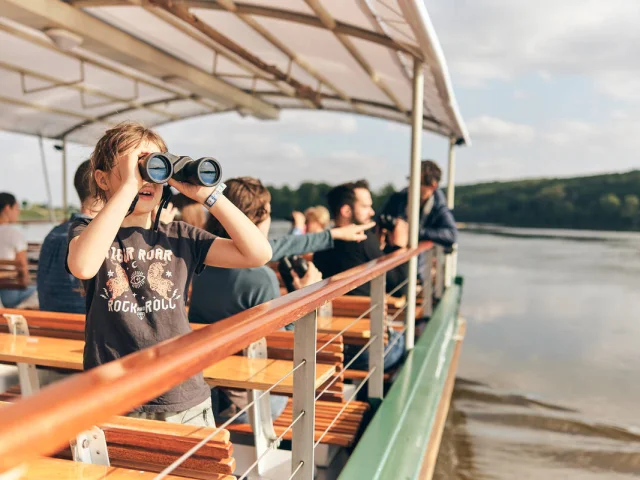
x=489, y=40
x=495, y=130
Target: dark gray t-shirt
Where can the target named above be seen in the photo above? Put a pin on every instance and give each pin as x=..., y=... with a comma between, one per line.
x=136, y=300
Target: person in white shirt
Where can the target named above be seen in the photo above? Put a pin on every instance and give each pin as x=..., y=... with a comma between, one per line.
x=13, y=246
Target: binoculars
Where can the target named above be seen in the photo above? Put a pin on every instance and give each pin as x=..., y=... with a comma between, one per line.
x=160, y=167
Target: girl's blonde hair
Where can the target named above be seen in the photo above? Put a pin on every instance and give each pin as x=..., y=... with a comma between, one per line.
x=318, y=214
x=115, y=142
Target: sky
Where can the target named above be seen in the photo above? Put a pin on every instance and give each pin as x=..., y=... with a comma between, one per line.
x=547, y=88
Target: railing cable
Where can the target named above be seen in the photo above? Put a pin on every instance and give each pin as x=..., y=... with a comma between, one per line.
x=355, y=392
x=203, y=442
x=296, y=470
x=355, y=357
x=366, y=312
x=398, y=287
x=253, y=465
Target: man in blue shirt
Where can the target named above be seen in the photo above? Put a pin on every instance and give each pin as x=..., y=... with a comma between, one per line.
x=436, y=220
x=59, y=291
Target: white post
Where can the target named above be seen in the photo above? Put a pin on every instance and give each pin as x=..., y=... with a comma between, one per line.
x=376, y=349
x=65, y=198
x=52, y=216
x=414, y=197
x=304, y=393
x=452, y=258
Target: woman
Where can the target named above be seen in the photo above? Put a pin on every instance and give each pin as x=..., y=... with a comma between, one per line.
x=13, y=247
x=317, y=219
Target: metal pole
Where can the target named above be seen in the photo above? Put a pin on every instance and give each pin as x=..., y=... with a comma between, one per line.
x=304, y=393
x=439, y=280
x=451, y=175
x=52, y=216
x=376, y=350
x=452, y=258
x=65, y=198
x=427, y=284
x=414, y=196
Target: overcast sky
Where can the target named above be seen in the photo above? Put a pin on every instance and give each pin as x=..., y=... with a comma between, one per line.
x=547, y=88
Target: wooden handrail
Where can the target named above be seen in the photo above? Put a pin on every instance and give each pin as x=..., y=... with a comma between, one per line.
x=42, y=424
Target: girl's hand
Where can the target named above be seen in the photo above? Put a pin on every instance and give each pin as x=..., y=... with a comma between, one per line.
x=351, y=233
x=129, y=169
x=198, y=193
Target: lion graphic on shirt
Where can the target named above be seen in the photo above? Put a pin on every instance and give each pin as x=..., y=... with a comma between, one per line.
x=118, y=284
x=162, y=286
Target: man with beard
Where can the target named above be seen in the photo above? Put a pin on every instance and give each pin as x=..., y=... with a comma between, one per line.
x=351, y=203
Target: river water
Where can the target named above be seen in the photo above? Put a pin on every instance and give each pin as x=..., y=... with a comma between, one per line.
x=549, y=380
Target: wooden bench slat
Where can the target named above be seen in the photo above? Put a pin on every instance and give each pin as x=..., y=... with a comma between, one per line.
x=342, y=432
x=57, y=469
x=156, y=444
x=232, y=372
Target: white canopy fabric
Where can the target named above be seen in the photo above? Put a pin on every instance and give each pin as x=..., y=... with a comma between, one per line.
x=69, y=69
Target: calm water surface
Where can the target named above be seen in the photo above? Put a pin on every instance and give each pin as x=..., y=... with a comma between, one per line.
x=549, y=380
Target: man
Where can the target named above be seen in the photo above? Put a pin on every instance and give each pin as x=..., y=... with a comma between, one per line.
x=349, y=204
x=436, y=220
x=59, y=291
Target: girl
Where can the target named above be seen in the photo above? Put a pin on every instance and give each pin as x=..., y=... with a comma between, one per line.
x=135, y=278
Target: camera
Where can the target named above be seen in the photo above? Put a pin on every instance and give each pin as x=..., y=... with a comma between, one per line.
x=160, y=167
x=387, y=222
x=295, y=263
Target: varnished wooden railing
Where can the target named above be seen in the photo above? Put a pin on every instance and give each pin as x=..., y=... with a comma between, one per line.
x=42, y=424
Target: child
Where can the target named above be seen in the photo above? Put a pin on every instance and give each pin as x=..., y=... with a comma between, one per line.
x=135, y=295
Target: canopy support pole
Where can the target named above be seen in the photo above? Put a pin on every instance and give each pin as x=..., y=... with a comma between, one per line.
x=52, y=216
x=414, y=197
x=451, y=263
x=65, y=197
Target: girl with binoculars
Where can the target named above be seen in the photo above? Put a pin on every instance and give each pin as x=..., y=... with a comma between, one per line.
x=135, y=297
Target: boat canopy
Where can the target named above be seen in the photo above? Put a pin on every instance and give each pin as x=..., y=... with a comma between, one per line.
x=69, y=69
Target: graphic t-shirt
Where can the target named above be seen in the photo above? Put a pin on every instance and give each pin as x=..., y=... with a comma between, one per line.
x=136, y=299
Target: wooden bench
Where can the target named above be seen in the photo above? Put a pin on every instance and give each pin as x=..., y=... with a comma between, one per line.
x=232, y=372
x=279, y=344
x=356, y=305
x=342, y=433
x=152, y=445
x=12, y=276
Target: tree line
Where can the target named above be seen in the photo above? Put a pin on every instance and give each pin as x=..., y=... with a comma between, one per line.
x=599, y=202
x=285, y=199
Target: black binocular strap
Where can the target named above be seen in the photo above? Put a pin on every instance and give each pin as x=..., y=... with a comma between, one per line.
x=166, y=196
x=164, y=201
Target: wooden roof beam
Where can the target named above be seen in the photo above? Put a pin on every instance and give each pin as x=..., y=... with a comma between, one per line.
x=82, y=57
x=230, y=6
x=330, y=24
x=181, y=11
x=119, y=46
x=46, y=109
x=209, y=43
x=84, y=89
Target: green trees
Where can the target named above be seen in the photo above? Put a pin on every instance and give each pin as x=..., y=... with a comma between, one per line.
x=284, y=199
x=600, y=202
x=608, y=202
